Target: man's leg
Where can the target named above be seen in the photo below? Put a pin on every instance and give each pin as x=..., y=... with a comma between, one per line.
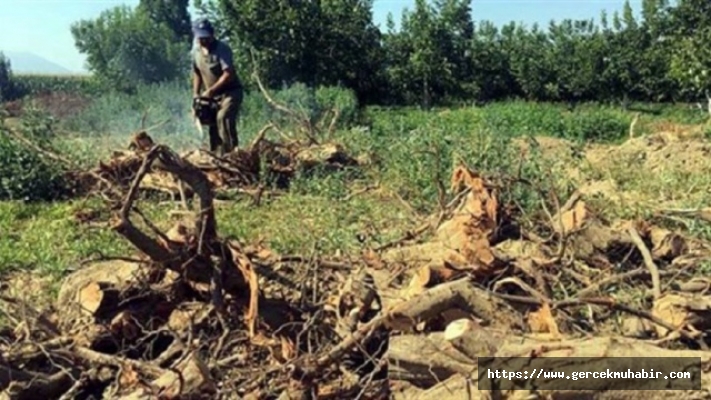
x=227, y=123
x=215, y=142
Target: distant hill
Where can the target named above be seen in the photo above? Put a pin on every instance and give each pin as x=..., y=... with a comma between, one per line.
x=23, y=62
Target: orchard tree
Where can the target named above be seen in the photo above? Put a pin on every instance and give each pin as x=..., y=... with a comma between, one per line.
x=531, y=63
x=578, y=59
x=171, y=13
x=5, y=78
x=329, y=42
x=490, y=58
x=690, y=29
x=126, y=48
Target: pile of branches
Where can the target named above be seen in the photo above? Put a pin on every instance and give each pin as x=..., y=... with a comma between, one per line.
x=193, y=315
x=185, y=318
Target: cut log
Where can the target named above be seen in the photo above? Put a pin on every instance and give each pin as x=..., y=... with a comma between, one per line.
x=471, y=340
x=427, y=277
x=81, y=292
x=97, y=297
x=460, y=294
x=425, y=360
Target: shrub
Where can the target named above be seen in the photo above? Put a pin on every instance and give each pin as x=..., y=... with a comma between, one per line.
x=26, y=174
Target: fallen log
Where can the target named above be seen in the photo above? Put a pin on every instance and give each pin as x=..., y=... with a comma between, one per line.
x=425, y=360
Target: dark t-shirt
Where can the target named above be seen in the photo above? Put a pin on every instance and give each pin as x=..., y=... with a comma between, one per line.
x=211, y=65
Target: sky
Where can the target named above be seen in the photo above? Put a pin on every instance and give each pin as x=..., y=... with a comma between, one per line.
x=42, y=26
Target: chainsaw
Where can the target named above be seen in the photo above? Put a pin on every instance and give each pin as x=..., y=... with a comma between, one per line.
x=205, y=112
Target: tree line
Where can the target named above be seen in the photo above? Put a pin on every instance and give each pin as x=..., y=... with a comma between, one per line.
x=438, y=56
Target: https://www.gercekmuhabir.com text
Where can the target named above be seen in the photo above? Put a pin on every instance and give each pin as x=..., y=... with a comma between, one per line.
x=540, y=373
x=589, y=373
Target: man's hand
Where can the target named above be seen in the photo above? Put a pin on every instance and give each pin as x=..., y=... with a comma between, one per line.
x=208, y=93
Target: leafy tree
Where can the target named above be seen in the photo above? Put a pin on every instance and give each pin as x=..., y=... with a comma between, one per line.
x=531, y=63
x=6, y=83
x=490, y=59
x=329, y=42
x=173, y=14
x=432, y=51
x=690, y=29
x=126, y=48
x=438, y=56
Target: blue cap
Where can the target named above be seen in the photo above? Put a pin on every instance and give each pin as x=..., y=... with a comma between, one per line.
x=202, y=29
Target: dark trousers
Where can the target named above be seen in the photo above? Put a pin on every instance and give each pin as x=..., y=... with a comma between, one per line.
x=223, y=133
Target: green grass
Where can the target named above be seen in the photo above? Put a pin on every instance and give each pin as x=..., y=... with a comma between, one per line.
x=49, y=238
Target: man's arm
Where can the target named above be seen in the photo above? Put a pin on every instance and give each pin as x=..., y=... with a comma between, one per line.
x=228, y=70
x=197, y=81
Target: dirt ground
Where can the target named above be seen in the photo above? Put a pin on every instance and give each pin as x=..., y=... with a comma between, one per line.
x=625, y=173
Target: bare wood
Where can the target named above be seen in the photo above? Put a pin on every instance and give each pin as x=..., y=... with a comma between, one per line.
x=27, y=352
x=95, y=297
x=617, y=278
x=260, y=136
x=21, y=307
x=466, y=336
x=198, y=182
x=303, y=120
x=648, y=261
x=424, y=360
x=598, y=349
x=123, y=225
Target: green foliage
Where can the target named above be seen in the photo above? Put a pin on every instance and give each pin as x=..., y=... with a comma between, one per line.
x=9, y=90
x=584, y=123
x=126, y=48
x=26, y=174
x=171, y=13
x=438, y=56
x=327, y=43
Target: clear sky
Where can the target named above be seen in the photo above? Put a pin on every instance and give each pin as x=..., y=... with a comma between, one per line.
x=42, y=26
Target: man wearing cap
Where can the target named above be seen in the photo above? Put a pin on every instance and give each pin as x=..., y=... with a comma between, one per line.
x=214, y=77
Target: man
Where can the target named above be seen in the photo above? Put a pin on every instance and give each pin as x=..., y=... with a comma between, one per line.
x=214, y=77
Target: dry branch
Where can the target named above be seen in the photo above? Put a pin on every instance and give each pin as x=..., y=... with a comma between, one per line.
x=648, y=261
